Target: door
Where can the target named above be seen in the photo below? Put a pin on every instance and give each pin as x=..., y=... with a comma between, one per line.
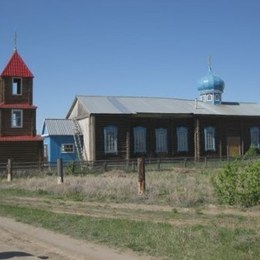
x=233, y=146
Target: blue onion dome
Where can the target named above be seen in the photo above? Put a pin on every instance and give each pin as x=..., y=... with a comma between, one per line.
x=211, y=82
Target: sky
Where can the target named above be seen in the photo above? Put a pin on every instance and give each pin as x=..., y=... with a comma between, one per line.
x=156, y=48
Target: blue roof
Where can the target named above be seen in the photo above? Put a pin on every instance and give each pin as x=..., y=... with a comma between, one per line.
x=211, y=82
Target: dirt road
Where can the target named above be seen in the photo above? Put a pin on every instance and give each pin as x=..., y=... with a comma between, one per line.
x=22, y=241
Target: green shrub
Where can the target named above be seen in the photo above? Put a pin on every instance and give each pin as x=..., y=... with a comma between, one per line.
x=238, y=185
x=251, y=152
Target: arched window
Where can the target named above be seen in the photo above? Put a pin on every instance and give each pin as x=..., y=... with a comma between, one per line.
x=161, y=140
x=110, y=139
x=182, y=139
x=254, y=134
x=209, y=138
x=139, y=139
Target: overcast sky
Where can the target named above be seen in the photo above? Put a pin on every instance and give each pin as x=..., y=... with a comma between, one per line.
x=132, y=48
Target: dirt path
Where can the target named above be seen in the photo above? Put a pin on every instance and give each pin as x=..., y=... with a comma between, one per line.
x=22, y=241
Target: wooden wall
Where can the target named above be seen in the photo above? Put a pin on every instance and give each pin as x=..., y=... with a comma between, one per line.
x=29, y=123
x=7, y=97
x=125, y=126
x=24, y=151
x=224, y=126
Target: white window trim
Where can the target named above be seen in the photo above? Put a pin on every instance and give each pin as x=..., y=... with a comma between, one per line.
x=110, y=146
x=12, y=119
x=139, y=139
x=67, y=144
x=182, y=139
x=161, y=140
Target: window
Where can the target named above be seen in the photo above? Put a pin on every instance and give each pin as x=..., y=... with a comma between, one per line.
x=139, y=139
x=17, y=86
x=67, y=148
x=110, y=139
x=209, y=138
x=209, y=97
x=254, y=133
x=161, y=140
x=182, y=139
x=45, y=151
x=17, y=118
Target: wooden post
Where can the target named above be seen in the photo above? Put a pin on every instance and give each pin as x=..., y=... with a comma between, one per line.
x=206, y=162
x=105, y=166
x=60, y=171
x=185, y=162
x=141, y=176
x=9, y=170
x=158, y=165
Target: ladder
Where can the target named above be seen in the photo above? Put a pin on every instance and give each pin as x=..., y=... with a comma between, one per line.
x=77, y=141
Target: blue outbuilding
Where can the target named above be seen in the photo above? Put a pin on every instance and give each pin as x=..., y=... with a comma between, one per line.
x=62, y=140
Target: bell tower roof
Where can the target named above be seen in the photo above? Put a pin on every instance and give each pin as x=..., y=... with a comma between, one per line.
x=16, y=67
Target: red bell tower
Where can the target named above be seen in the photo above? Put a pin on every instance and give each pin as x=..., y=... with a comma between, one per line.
x=18, y=139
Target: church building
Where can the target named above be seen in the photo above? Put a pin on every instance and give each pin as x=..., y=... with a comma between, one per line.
x=18, y=139
x=116, y=127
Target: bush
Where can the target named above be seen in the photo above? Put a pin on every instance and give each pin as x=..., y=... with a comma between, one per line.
x=251, y=152
x=238, y=184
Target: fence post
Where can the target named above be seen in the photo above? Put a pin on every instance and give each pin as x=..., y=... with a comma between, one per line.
x=133, y=166
x=9, y=170
x=60, y=170
x=206, y=162
x=185, y=162
x=158, y=165
x=141, y=176
x=105, y=166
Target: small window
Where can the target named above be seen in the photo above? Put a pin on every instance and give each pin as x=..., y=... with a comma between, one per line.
x=254, y=134
x=209, y=138
x=209, y=97
x=17, y=86
x=139, y=139
x=161, y=140
x=17, y=118
x=182, y=139
x=110, y=139
x=67, y=148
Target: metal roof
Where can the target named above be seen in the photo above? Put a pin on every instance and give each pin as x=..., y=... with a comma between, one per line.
x=158, y=105
x=59, y=127
x=16, y=67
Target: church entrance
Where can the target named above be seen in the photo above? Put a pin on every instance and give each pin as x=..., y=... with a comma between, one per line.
x=233, y=146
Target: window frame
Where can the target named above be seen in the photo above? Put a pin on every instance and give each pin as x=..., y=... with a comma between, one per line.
x=255, y=131
x=209, y=138
x=15, y=121
x=161, y=140
x=182, y=139
x=110, y=139
x=17, y=86
x=66, y=145
x=139, y=139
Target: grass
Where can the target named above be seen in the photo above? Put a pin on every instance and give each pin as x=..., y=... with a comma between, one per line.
x=157, y=239
x=180, y=188
x=177, y=218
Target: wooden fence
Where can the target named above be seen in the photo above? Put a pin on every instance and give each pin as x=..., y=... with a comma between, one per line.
x=28, y=169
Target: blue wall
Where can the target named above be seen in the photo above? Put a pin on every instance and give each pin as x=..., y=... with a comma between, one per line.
x=54, y=143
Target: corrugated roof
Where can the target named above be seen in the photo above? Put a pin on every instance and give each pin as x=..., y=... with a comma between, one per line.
x=150, y=105
x=59, y=126
x=16, y=67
